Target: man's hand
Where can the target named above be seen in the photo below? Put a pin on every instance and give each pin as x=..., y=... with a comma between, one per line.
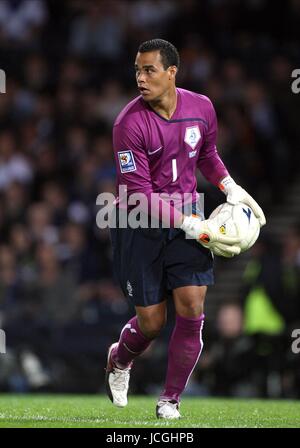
x=236, y=194
x=224, y=250
x=207, y=233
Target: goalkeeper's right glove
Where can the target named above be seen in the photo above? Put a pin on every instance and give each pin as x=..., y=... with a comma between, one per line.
x=224, y=250
x=208, y=234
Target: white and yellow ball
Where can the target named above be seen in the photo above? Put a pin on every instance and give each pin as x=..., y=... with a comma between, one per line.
x=238, y=221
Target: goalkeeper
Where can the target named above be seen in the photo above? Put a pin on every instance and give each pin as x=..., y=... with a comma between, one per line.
x=160, y=139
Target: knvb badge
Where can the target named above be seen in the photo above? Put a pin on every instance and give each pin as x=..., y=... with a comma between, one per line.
x=192, y=136
x=2, y=81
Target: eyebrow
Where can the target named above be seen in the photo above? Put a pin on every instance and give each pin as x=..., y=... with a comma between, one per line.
x=145, y=66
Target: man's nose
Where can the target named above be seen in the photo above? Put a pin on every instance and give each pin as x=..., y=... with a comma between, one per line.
x=140, y=77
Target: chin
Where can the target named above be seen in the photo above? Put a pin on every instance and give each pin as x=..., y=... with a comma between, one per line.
x=152, y=98
x=147, y=98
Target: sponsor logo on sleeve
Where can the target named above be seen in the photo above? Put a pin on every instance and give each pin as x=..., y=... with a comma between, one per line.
x=126, y=161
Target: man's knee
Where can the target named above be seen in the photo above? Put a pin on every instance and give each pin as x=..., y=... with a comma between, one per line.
x=189, y=301
x=151, y=324
x=192, y=309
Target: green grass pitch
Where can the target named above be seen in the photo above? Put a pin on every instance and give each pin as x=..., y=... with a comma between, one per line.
x=96, y=411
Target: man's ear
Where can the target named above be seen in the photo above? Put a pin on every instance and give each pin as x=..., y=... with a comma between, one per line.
x=172, y=71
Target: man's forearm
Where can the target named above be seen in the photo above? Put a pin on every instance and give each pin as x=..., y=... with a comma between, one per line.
x=212, y=168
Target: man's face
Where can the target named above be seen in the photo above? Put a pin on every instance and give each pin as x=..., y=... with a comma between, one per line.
x=152, y=79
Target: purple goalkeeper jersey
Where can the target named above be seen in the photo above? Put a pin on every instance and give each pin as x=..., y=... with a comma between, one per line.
x=154, y=154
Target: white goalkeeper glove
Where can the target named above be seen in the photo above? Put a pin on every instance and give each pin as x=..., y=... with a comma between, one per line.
x=236, y=194
x=208, y=234
x=224, y=250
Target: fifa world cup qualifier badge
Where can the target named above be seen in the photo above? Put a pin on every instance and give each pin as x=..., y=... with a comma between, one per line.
x=126, y=161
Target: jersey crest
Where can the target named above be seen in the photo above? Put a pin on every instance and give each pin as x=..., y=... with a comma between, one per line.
x=192, y=136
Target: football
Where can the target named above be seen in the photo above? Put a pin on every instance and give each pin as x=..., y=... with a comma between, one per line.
x=238, y=220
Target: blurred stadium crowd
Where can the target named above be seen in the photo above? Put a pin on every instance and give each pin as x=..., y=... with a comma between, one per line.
x=69, y=69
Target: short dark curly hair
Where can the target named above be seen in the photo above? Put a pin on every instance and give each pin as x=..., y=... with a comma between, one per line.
x=169, y=54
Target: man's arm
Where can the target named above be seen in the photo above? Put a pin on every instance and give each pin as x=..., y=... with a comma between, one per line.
x=209, y=161
x=214, y=170
x=137, y=177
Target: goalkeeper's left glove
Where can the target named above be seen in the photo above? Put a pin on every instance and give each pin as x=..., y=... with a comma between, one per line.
x=236, y=194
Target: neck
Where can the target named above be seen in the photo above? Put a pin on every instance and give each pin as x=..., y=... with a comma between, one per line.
x=166, y=104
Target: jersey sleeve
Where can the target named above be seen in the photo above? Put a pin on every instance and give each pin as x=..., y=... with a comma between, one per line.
x=209, y=161
x=131, y=160
x=134, y=172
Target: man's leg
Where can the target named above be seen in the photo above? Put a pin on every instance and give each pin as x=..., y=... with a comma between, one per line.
x=185, y=345
x=138, y=333
x=134, y=339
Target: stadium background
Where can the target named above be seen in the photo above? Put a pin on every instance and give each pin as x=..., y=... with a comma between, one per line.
x=69, y=69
